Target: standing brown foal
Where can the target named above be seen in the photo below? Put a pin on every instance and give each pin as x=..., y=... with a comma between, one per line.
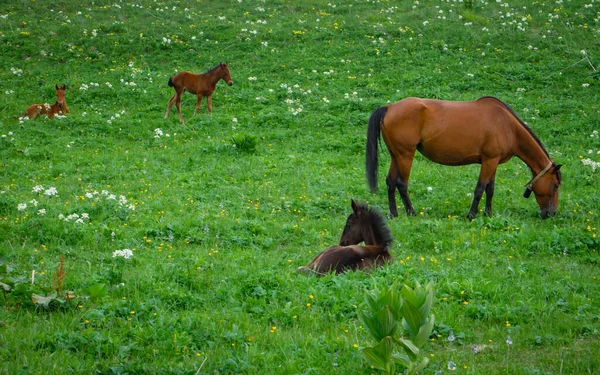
x=199, y=84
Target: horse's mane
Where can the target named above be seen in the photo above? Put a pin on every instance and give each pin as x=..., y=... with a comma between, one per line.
x=527, y=128
x=379, y=225
x=213, y=68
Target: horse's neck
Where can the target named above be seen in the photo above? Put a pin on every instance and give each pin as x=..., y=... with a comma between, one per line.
x=214, y=77
x=369, y=237
x=531, y=152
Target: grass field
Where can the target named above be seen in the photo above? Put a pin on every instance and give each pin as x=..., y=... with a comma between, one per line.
x=218, y=213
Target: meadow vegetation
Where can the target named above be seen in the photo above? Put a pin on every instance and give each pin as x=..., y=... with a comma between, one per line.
x=134, y=245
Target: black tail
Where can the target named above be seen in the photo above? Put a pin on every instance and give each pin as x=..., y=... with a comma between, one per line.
x=170, y=82
x=373, y=133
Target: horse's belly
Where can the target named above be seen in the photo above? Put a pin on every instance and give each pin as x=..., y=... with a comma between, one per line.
x=450, y=152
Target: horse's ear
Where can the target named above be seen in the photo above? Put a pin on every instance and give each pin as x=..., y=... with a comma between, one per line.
x=354, y=206
x=56, y=87
x=557, y=167
x=64, y=87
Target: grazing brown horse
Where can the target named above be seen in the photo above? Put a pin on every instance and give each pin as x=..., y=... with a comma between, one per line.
x=60, y=107
x=363, y=225
x=484, y=131
x=199, y=84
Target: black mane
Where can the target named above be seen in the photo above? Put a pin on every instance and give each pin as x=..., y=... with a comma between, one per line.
x=379, y=225
x=213, y=68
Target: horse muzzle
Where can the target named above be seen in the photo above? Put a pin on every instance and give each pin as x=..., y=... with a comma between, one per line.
x=230, y=83
x=546, y=213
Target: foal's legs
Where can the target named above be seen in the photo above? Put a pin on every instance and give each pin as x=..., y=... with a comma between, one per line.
x=485, y=183
x=171, y=102
x=178, y=105
x=200, y=96
x=209, y=102
x=398, y=178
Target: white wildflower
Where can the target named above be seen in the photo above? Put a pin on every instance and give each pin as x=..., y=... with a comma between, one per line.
x=51, y=192
x=125, y=253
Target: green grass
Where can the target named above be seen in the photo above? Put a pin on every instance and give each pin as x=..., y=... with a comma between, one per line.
x=220, y=212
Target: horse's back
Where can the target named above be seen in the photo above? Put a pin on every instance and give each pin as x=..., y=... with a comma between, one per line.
x=450, y=132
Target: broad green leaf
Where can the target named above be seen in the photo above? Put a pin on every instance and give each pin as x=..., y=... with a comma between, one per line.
x=392, y=298
x=409, y=294
x=381, y=324
x=371, y=300
x=379, y=355
x=418, y=368
x=424, y=332
x=98, y=290
x=21, y=289
x=5, y=287
x=413, y=318
x=43, y=300
x=402, y=359
x=426, y=307
x=409, y=347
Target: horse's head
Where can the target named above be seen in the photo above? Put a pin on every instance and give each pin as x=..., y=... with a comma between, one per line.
x=354, y=230
x=60, y=95
x=225, y=74
x=545, y=187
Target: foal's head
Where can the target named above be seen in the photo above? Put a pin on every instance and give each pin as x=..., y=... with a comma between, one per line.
x=365, y=225
x=225, y=74
x=60, y=95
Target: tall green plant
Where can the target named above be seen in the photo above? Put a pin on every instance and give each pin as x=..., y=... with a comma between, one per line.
x=400, y=323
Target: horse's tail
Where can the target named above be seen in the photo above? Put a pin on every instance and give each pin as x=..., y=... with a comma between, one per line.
x=373, y=133
x=170, y=83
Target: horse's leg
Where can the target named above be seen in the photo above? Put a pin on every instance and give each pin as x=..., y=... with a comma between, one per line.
x=489, y=193
x=398, y=178
x=200, y=96
x=209, y=102
x=178, y=105
x=171, y=102
x=391, y=179
x=486, y=178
